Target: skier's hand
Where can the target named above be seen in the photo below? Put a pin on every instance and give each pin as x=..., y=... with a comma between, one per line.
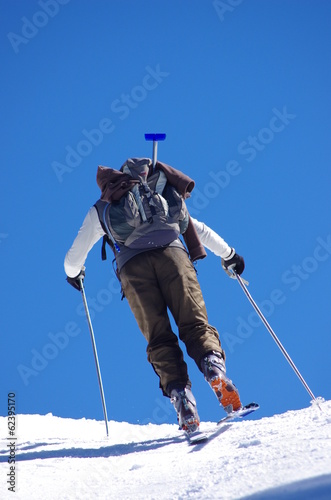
x=235, y=262
x=76, y=281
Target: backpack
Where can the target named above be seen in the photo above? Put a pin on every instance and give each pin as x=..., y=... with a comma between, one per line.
x=151, y=214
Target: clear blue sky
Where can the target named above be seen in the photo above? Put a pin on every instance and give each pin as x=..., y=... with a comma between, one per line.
x=242, y=90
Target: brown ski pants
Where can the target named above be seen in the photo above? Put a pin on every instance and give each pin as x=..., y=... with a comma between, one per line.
x=154, y=282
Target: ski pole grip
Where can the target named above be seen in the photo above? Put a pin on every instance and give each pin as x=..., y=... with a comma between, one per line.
x=235, y=275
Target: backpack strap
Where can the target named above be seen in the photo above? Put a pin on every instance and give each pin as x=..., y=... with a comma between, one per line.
x=161, y=182
x=136, y=194
x=105, y=241
x=101, y=208
x=137, y=197
x=114, y=245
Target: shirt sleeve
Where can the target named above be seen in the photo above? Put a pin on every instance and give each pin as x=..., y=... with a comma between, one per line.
x=211, y=240
x=90, y=232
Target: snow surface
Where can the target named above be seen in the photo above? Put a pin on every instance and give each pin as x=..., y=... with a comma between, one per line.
x=287, y=456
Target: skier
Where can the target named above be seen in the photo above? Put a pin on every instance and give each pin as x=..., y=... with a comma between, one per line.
x=157, y=274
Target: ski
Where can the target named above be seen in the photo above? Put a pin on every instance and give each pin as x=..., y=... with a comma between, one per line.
x=197, y=437
x=201, y=437
x=242, y=412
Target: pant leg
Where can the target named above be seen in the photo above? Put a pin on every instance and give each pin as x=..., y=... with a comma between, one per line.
x=182, y=293
x=141, y=286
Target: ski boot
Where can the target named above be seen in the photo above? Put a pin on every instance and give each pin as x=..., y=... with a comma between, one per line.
x=185, y=406
x=213, y=368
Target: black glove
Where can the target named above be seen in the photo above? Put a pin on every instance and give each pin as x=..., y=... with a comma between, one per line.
x=75, y=282
x=235, y=262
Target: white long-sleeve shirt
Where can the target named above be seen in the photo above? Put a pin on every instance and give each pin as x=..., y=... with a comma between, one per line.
x=211, y=240
x=91, y=231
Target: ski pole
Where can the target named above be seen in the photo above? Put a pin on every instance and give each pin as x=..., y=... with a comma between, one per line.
x=155, y=138
x=95, y=354
x=276, y=339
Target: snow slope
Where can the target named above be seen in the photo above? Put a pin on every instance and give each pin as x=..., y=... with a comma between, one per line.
x=284, y=457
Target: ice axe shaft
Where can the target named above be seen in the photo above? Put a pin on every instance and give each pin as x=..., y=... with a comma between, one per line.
x=155, y=138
